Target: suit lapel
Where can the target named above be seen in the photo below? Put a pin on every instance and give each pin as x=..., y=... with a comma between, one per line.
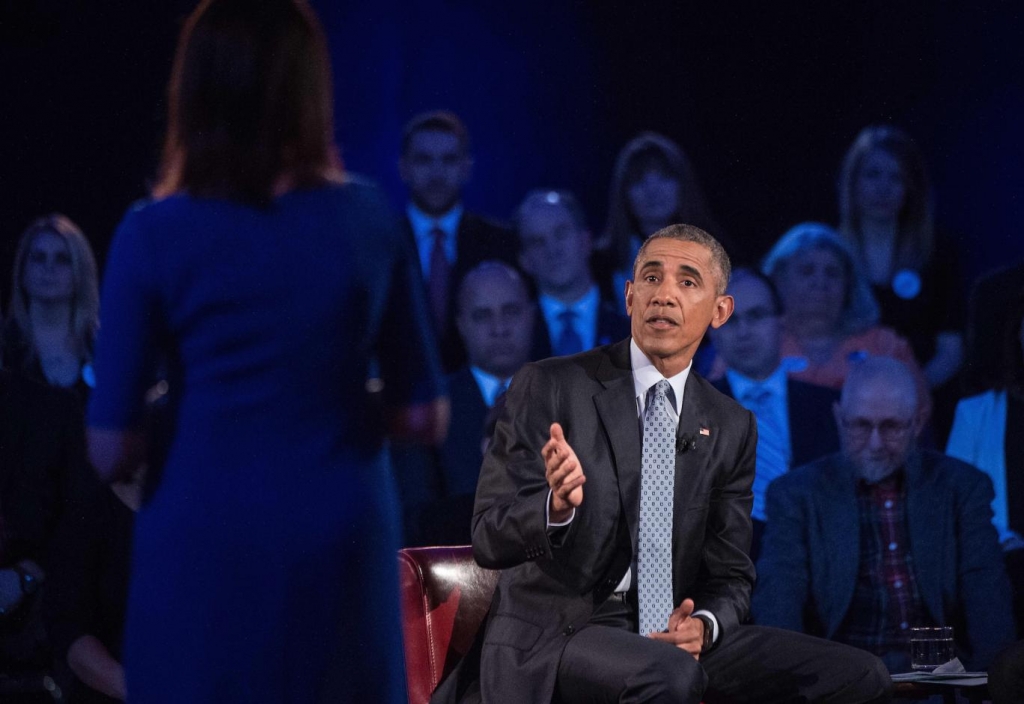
x=695, y=442
x=616, y=407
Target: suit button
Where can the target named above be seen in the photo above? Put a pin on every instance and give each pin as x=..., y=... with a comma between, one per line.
x=569, y=630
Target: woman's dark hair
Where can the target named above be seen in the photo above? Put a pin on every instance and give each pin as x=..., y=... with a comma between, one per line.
x=249, y=102
x=915, y=236
x=646, y=152
x=1012, y=372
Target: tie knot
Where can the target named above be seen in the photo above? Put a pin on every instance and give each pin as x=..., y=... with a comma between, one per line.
x=567, y=316
x=438, y=235
x=661, y=392
x=757, y=395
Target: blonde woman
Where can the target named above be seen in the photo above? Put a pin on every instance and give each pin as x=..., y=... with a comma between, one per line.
x=54, y=307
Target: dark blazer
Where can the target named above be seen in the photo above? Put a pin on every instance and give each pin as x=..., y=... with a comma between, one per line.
x=612, y=325
x=460, y=454
x=812, y=425
x=551, y=583
x=478, y=240
x=41, y=445
x=810, y=558
x=437, y=485
x=988, y=312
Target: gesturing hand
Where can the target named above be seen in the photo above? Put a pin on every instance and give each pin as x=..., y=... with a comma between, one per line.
x=684, y=631
x=564, y=474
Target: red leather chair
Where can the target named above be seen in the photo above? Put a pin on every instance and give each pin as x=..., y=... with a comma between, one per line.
x=445, y=596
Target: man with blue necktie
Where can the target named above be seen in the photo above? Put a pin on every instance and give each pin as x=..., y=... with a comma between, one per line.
x=554, y=250
x=794, y=419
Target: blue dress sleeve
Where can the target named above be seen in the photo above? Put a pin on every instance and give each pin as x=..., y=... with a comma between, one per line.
x=407, y=350
x=126, y=344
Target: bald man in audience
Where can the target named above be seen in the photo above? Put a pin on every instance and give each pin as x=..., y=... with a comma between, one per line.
x=554, y=250
x=495, y=320
x=864, y=544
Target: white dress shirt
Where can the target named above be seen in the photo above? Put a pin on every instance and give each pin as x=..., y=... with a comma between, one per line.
x=774, y=448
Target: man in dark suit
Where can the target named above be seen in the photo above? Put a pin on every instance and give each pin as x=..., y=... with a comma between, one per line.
x=864, y=544
x=794, y=419
x=572, y=506
x=495, y=321
x=554, y=250
x=435, y=165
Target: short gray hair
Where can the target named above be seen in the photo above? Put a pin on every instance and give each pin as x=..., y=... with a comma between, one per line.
x=691, y=233
x=860, y=309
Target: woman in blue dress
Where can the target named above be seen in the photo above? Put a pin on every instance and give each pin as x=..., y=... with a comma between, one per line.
x=283, y=303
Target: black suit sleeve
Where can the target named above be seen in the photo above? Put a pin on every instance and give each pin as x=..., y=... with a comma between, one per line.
x=509, y=515
x=726, y=573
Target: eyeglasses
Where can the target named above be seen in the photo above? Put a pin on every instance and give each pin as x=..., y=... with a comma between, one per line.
x=890, y=429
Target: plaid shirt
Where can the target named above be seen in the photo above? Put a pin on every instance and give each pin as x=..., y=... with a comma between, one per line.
x=886, y=602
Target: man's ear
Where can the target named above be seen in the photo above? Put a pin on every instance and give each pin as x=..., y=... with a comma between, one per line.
x=629, y=297
x=724, y=307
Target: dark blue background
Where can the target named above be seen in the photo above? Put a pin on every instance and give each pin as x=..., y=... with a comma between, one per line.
x=765, y=99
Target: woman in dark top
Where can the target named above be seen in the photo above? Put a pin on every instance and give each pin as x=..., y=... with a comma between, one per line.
x=54, y=307
x=286, y=302
x=886, y=213
x=987, y=432
x=653, y=185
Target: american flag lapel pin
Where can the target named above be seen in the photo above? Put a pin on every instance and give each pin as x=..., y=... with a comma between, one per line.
x=705, y=431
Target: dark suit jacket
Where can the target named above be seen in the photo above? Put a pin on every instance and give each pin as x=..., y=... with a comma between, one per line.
x=812, y=425
x=988, y=312
x=41, y=445
x=437, y=485
x=551, y=583
x=612, y=325
x=477, y=240
x=810, y=559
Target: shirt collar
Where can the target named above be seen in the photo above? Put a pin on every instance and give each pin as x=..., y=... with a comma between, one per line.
x=645, y=375
x=489, y=384
x=741, y=385
x=583, y=305
x=422, y=223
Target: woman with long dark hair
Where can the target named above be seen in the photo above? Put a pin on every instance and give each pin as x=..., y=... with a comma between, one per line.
x=987, y=433
x=653, y=186
x=283, y=300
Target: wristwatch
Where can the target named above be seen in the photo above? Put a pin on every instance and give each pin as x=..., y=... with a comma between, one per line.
x=709, y=633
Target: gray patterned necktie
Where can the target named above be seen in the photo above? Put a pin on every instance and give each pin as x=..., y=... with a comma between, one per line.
x=657, y=488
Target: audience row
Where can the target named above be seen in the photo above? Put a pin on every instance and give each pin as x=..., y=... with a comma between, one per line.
x=883, y=283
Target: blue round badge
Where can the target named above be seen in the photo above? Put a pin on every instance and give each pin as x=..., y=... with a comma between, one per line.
x=88, y=375
x=906, y=284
